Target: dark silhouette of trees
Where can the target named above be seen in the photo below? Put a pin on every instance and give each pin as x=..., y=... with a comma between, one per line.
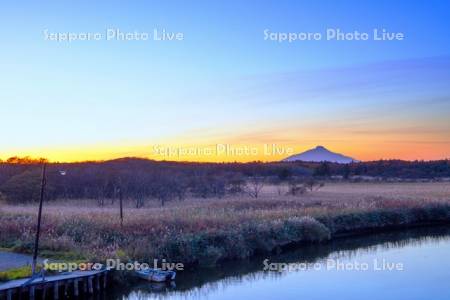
x=141, y=179
x=323, y=170
x=23, y=187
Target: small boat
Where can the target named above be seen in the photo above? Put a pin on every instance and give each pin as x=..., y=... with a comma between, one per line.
x=156, y=275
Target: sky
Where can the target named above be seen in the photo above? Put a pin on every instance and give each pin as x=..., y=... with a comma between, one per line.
x=224, y=92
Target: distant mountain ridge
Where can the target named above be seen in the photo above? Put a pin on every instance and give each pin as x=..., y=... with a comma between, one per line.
x=321, y=154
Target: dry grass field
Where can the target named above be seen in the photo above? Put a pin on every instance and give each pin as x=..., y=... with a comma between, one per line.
x=204, y=231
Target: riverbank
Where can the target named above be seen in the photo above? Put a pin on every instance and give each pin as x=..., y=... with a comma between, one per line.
x=204, y=232
x=308, y=267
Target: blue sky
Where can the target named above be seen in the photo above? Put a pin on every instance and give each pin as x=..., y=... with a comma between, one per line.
x=224, y=82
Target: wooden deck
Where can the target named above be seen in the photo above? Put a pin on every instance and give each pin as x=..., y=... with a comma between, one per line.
x=61, y=284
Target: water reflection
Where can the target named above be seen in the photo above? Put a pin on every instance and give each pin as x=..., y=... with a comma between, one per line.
x=417, y=248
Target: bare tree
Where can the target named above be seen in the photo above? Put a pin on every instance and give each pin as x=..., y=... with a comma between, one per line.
x=313, y=185
x=254, y=186
x=280, y=188
x=139, y=197
x=296, y=188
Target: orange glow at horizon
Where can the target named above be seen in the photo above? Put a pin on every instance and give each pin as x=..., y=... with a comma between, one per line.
x=272, y=143
x=239, y=152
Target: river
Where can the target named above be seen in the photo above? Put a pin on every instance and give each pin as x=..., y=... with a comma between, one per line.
x=413, y=264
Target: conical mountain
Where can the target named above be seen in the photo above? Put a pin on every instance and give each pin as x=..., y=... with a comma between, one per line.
x=321, y=154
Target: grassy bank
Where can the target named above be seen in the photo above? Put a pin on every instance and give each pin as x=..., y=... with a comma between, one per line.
x=15, y=273
x=203, y=232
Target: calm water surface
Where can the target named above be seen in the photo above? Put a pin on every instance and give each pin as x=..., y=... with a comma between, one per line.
x=420, y=260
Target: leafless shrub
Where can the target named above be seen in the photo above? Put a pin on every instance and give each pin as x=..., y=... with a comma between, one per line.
x=254, y=186
x=236, y=184
x=296, y=188
x=313, y=185
x=101, y=202
x=280, y=188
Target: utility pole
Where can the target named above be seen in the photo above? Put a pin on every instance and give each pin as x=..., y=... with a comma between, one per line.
x=121, y=207
x=38, y=229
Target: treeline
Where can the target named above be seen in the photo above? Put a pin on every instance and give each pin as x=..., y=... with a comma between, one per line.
x=392, y=169
x=139, y=179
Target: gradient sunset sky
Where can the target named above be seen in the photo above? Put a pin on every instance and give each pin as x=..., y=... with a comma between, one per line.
x=223, y=83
